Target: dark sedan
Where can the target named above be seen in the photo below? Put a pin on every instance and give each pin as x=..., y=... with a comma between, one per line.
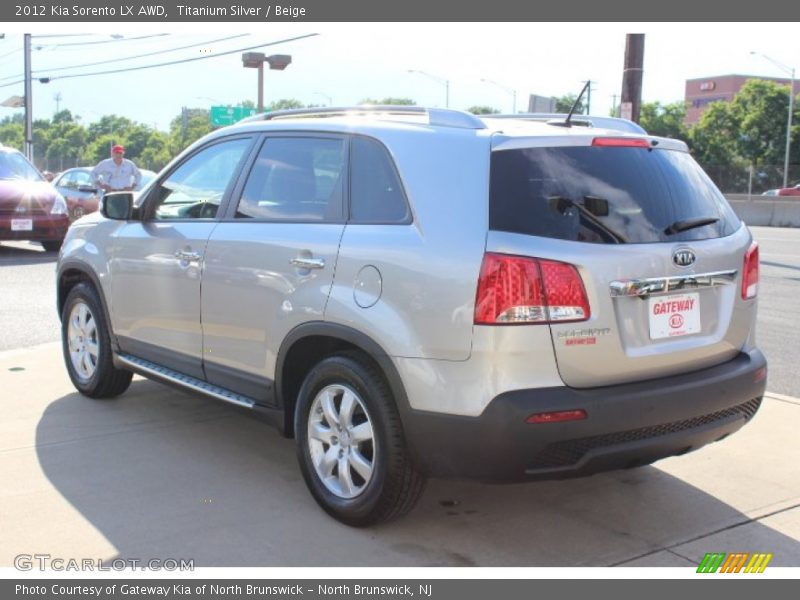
x=30, y=209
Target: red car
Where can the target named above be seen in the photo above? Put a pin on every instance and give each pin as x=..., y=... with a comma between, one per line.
x=30, y=207
x=790, y=191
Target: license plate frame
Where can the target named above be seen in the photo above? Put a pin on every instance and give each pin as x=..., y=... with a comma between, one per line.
x=21, y=224
x=673, y=316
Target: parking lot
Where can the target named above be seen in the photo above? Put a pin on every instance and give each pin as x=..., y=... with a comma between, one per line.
x=158, y=473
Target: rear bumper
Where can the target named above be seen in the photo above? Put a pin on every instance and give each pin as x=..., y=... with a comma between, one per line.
x=44, y=227
x=627, y=425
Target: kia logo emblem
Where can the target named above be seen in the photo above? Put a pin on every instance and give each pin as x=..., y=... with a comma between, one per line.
x=683, y=257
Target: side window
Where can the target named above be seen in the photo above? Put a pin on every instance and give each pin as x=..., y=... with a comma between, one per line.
x=81, y=178
x=376, y=195
x=195, y=189
x=67, y=181
x=294, y=179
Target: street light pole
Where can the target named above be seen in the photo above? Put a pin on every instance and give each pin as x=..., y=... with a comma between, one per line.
x=277, y=62
x=28, y=99
x=788, y=133
x=507, y=89
x=442, y=80
x=261, y=87
x=790, y=71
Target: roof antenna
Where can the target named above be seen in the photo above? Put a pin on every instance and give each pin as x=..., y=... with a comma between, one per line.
x=575, y=105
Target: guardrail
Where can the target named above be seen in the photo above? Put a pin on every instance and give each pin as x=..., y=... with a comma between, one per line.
x=769, y=211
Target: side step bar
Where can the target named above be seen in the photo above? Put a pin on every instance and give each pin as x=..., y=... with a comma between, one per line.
x=149, y=369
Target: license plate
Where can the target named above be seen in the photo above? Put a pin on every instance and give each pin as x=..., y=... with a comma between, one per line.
x=674, y=316
x=21, y=224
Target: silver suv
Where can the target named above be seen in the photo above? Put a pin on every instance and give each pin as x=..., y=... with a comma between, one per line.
x=413, y=293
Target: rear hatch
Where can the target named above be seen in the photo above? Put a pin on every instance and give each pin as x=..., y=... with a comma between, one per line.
x=658, y=249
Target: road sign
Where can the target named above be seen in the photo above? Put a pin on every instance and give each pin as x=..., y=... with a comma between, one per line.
x=228, y=115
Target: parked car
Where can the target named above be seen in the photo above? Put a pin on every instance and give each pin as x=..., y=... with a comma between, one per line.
x=30, y=209
x=790, y=191
x=412, y=293
x=81, y=192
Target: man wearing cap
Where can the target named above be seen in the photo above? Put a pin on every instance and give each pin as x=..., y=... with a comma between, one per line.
x=117, y=174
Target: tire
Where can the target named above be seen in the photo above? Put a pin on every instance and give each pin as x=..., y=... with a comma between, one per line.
x=51, y=245
x=83, y=328
x=384, y=483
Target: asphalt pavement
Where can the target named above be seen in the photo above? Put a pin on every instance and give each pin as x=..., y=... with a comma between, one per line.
x=158, y=473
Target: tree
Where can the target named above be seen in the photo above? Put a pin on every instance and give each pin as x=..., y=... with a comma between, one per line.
x=747, y=135
x=67, y=143
x=713, y=138
x=285, y=104
x=109, y=124
x=389, y=101
x=188, y=127
x=156, y=153
x=760, y=109
x=483, y=110
x=63, y=116
x=664, y=120
x=564, y=104
x=12, y=132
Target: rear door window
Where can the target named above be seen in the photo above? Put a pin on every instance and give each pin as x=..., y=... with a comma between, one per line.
x=606, y=195
x=296, y=179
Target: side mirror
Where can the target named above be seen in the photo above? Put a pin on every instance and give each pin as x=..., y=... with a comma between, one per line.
x=117, y=205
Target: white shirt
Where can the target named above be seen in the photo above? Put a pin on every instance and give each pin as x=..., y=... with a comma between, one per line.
x=118, y=176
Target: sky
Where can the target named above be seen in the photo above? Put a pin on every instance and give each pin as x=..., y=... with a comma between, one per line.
x=347, y=63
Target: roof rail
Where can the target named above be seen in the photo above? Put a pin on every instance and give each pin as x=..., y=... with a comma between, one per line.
x=443, y=117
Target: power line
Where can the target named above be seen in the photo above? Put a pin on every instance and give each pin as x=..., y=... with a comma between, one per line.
x=10, y=53
x=58, y=35
x=122, y=39
x=166, y=64
x=112, y=60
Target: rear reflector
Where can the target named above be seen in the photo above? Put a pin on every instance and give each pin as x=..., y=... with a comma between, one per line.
x=760, y=375
x=520, y=289
x=557, y=416
x=620, y=142
x=750, y=273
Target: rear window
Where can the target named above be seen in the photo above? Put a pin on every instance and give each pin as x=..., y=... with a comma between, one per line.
x=606, y=195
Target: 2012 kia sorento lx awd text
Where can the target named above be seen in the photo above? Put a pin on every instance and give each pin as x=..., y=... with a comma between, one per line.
x=413, y=293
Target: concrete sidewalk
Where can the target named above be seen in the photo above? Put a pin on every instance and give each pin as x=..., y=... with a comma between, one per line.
x=162, y=474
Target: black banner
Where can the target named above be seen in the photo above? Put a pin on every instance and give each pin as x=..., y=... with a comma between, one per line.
x=730, y=588
x=261, y=11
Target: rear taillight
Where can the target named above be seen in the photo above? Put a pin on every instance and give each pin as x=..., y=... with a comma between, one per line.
x=520, y=290
x=750, y=273
x=620, y=142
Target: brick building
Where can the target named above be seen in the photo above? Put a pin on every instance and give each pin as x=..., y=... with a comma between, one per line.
x=701, y=92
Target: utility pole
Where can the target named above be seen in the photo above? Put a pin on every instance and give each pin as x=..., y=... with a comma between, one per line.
x=614, y=105
x=185, y=122
x=631, y=101
x=57, y=97
x=28, y=99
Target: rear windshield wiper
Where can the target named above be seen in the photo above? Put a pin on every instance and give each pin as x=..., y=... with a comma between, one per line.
x=679, y=226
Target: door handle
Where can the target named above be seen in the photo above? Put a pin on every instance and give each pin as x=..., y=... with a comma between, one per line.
x=308, y=263
x=187, y=256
